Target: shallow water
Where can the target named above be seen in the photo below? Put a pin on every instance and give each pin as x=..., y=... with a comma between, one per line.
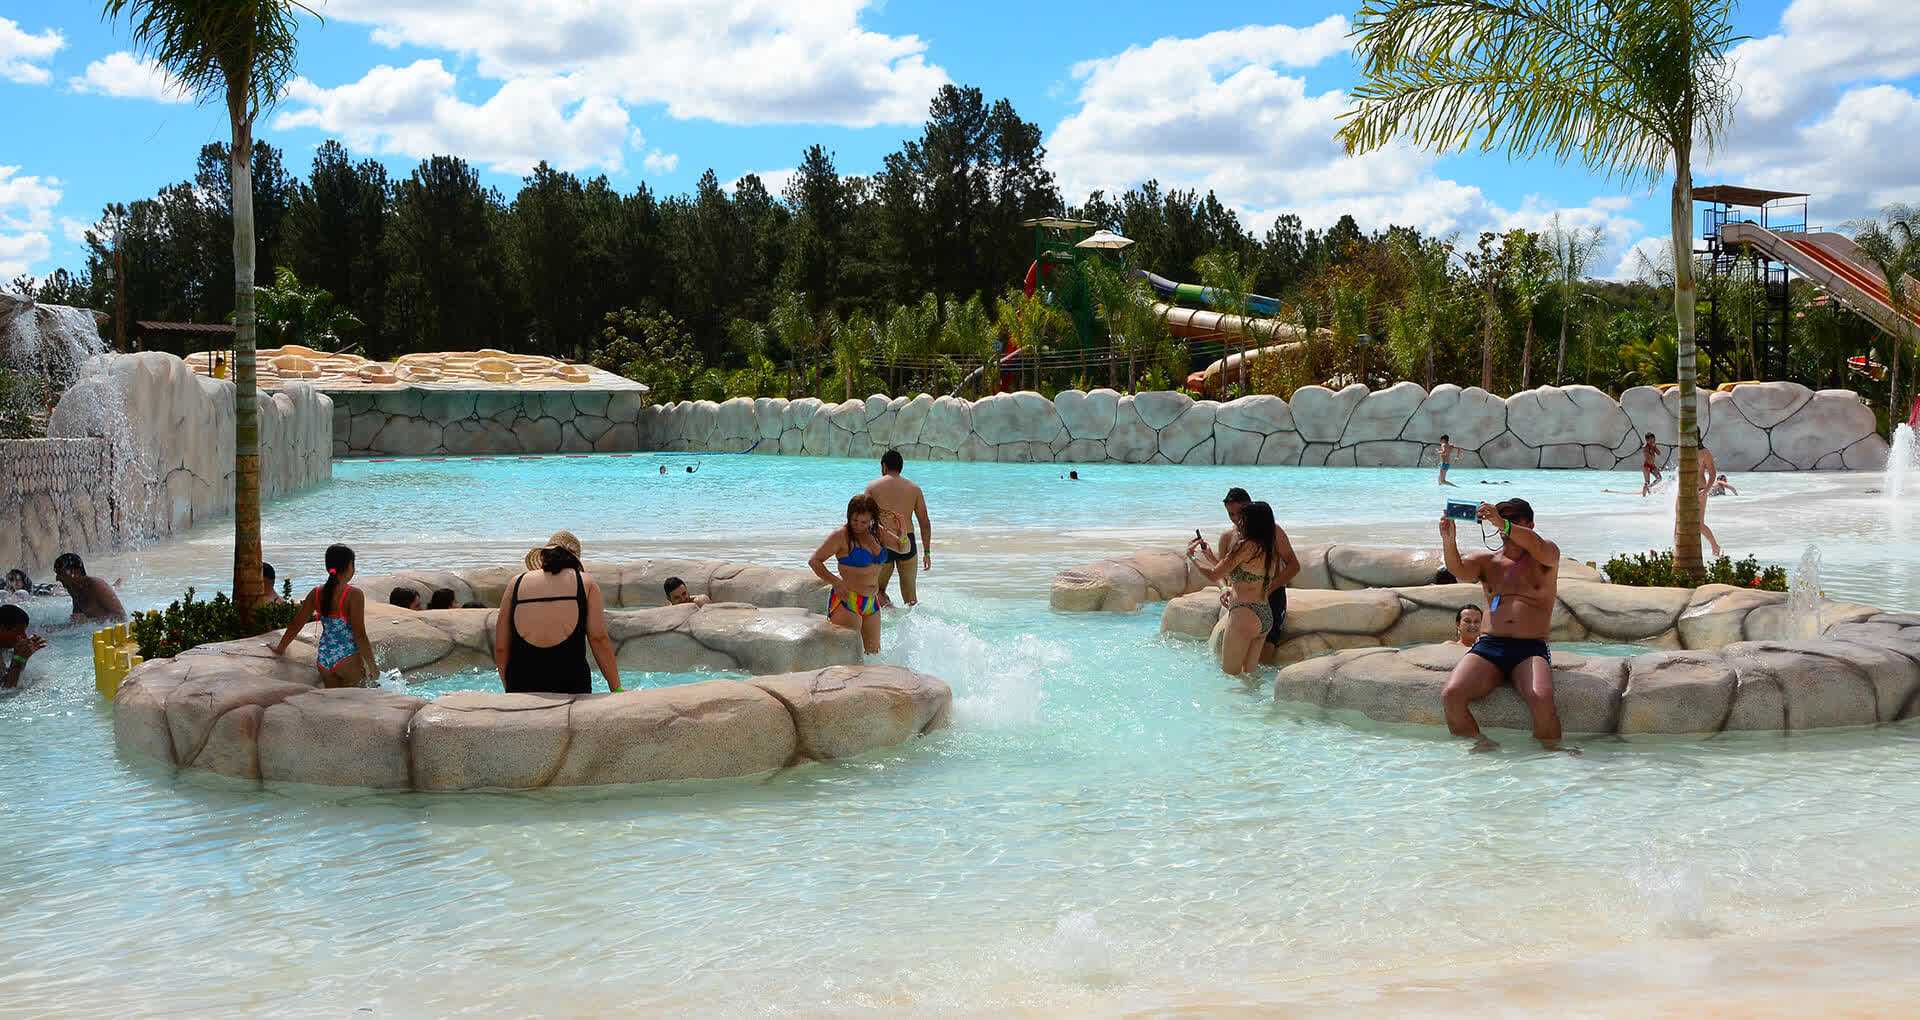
x=1109, y=825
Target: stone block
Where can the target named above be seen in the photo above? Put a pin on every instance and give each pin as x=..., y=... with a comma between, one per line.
x=1622, y=613
x=469, y=740
x=1768, y=404
x=1191, y=429
x=1507, y=451
x=345, y=737
x=841, y=712
x=1160, y=408
x=1737, y=444
x=1232, y=446
x=1192, y=615
x=911, y=419
x=1261, y=414
x=1087, y=415
x=1471, y=416
x=1132, y=441
x=1832, y=420
x=1386, y=453
x=1677, y=692
x=707, y=730
x=1320, y=415
x=1383, y=414
x=1282, y=448
x=214, y=686
x=1339, y=612
x=1819, y=687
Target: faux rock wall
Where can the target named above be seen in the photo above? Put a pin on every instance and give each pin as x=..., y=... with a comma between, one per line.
x=162, y=442
x=1758, y=427
x=415, y=421
x=47, y=491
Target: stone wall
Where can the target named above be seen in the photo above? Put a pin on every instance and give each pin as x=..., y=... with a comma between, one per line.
x=1758, y=427
x=159, y=460
x=1122, y=584
x=238, y=710
x=47, y=489
x=627, y=585
x=423, y=420
x=1718, y=658
x=178, y=427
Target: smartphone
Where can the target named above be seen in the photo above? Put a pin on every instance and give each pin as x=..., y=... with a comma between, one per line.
x=1196, y=535
x=1460, y=510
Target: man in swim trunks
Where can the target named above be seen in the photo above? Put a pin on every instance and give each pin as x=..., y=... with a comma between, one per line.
x=1447, y=450
x=93, y=598
x=1520, y=581
x=898, y=496
x=1237, y=498
x=16, y=645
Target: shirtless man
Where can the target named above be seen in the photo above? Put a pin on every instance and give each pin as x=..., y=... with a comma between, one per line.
x=1707, y=473
x=897, y=496
x=16, y=645
x=1447, y=450
x=93, y=598
x=1519, y=581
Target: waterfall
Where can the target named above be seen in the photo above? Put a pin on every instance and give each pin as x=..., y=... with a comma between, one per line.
x=53, y=354
x=1903, y=462
x=1806, y=617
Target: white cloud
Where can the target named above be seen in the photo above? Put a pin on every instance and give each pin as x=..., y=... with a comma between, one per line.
x=21, y=54
x=1821, y=108
x=26, y=214
x=413, y=111
x=124, y=76
x=775, y=181
x=1633, y=261
x=74, y=230
x=658, y=162
x=733, y=61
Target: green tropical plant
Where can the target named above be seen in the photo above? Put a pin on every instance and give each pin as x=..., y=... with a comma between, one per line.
x=1027, y=320
x=1230, y=283
x=188, y=622
x=289, y=313
x=799, y=332
x=241, y=51
x=1530, y=280
x=1411, y=323
x=1629, y=87
x=1573, y=253
x=1656, y=569
x=653, y=349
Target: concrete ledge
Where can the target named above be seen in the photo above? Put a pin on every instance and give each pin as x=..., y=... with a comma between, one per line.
x=236, y=710
x=1123, y=584
x=626, y=585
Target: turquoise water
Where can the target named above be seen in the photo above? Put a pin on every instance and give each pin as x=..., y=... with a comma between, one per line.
x=488, y=681
x=1108, y=825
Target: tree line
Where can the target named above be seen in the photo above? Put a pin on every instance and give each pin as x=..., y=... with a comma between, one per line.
x=899, y=281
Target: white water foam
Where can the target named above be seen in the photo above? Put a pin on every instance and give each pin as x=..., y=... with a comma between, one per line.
x=1806, y=611
x=1078, y=950
x=995, y=683
x=1903, y=463
x=1671, y=896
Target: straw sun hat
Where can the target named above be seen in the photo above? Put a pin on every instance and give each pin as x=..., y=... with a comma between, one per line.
x=560, y=540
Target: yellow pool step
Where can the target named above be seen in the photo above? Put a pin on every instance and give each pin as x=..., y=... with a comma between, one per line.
x=115, y=653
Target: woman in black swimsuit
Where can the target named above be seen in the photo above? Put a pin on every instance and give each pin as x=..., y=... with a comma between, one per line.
x=540, y=643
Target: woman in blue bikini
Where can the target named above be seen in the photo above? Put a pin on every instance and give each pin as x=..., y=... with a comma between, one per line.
x=859, y=549
x=345, y=655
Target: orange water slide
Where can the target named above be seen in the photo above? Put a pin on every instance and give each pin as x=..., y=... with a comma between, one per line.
x=1834, y=263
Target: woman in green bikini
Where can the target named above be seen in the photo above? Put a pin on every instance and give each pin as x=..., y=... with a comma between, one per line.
x=1249, y=617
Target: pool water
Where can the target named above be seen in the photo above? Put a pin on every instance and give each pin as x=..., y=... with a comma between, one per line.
x=1109, y=825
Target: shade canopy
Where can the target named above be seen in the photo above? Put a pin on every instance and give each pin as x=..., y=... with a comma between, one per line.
x=1105, y=239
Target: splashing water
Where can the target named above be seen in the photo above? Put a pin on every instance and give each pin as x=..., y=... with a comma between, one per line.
x=1806, y=613
x=1079, y=949
x=1903, y=462
x=1002, y=679
x=1670, y=896
x=391, y=680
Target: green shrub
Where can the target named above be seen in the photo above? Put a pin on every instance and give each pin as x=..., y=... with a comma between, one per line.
x=1652, y=569
x=189, y=622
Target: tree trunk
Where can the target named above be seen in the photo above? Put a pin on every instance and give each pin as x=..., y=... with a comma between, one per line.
x=248, y=585
x=1560, y=363
x=1486, y=336
x=1429, y=331
x=1686, y=507
x=1526, y=355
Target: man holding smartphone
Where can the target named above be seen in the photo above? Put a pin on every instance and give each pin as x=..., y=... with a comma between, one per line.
x=1520, y=581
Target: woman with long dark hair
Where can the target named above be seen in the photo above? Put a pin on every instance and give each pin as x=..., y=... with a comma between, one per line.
x=345, y=654
x=540, y=642
x=1249, y=617
x=858, y=549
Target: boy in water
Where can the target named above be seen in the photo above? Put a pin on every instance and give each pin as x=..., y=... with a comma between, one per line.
x=1520, y=581
x=16, y=645
x=93, y=598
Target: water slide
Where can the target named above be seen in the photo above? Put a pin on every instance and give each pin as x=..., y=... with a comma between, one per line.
x=1194, y=294
x=1833, y=263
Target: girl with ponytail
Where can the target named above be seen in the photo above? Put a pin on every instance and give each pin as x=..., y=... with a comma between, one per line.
x=345, y=655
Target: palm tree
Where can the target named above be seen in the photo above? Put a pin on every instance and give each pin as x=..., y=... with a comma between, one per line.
x=243, y=52
x=967, y=332
x=1026, y=319
x=1230, y=282
x=1530, y=281
x=1410, y=326
x=288, y=313
x=792, y=321
x=1573, y=254
x=1895, y=251
x=1630, y=88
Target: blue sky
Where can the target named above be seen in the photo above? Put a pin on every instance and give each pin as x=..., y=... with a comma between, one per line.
x=1236, y=97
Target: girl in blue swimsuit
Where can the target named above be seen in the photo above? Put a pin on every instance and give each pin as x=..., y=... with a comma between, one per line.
x=345, y=655
x=859, y=549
